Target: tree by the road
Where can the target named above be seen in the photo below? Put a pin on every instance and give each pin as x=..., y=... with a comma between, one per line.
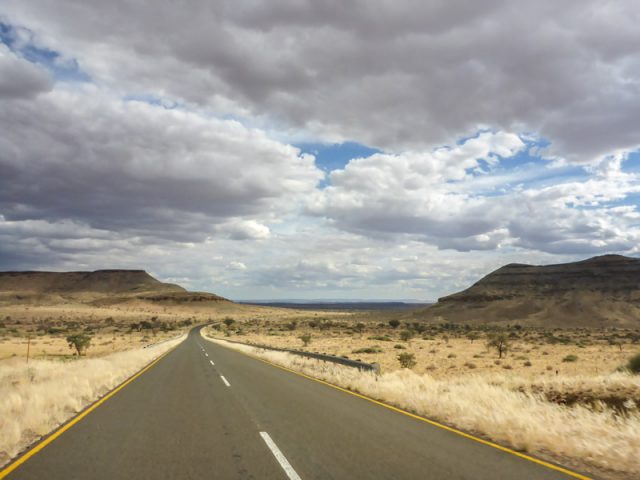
x=500, y=342
x=79, y=341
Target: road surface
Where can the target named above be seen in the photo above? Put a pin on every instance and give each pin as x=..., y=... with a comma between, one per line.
x=208, y=412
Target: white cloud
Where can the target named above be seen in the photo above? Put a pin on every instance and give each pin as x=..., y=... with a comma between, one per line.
x=245, y=230
x=431, y=196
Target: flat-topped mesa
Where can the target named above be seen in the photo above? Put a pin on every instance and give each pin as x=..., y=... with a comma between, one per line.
x=601, y=291
x=614, y=274
x=99, y=281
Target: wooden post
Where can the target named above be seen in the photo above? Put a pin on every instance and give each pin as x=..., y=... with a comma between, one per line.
x=28, y=347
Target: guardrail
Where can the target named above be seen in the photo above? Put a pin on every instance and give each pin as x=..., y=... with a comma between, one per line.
x=367, y=367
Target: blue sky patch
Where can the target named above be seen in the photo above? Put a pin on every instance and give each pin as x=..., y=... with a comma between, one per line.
x=335, y=156
x=63, y=69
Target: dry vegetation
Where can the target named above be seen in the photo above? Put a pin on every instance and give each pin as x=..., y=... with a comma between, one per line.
x=555, y=393
x=39, y=396
x=44, y=328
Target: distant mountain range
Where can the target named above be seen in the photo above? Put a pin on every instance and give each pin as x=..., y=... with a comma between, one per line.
x=602, y=291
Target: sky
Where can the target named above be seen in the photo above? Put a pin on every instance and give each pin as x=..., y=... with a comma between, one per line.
x=318, y=149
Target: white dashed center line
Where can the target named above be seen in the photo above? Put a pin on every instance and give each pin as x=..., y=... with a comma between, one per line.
x=284, y=463
x=211, y=362
x=226, y=382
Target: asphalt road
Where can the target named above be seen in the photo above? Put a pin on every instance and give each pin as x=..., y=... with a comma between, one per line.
x=207, y=412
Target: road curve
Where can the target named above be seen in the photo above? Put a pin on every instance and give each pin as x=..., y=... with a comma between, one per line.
x=207, y=412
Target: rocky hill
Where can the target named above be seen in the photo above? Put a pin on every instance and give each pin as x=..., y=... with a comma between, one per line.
x=601, y=291
x=101, y=286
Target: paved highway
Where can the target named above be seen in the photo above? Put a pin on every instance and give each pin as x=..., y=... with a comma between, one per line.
x=208, y=412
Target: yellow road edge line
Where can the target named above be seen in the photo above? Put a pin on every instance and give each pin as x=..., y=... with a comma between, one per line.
x=418, y=417
x=26, y=456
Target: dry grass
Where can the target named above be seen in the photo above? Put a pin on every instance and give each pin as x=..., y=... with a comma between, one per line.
x=38, y=397
x=500, y=407
x=48, y=347
x=451, y=357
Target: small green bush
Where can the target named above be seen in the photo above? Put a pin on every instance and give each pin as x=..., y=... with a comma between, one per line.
x=399, y=347
x=634, y=364
x=381, y=338
x=374, y=349
x=406, y=335
x=570, y=358
x=407, y=360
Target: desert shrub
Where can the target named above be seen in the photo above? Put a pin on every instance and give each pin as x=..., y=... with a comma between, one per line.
x=359, y=327
x=394, y=323
x=228, y=321
x=406, y=335
x=306, y=339
x=570, y=358
x=527, y=363
x=374, y=349
x=419, y=327
x=472, y=336
x=292, y=325
x=381, y=338
x=399, y=347
x=407, y=360
x=634, y=364
x=451, y=355
x=470, y=365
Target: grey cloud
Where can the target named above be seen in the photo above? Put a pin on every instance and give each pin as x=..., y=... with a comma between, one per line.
x=136, y=168
x=396, y=75
x=20, y=78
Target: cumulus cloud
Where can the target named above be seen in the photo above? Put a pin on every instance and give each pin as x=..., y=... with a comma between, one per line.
x=432, y=196
x=400, y=75
x=196, y=180
x=143, y=169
